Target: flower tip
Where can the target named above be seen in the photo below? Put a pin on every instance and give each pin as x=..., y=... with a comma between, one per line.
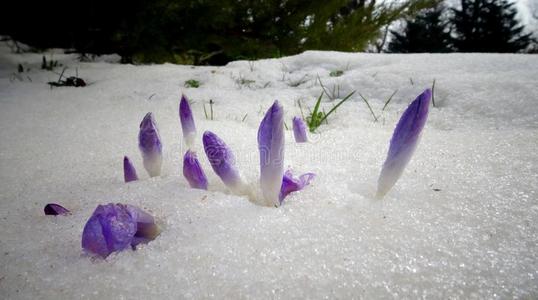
x=129, y=171
x=187, y=121
x=147, y=120
x=209, y=138
x=277, y=108
x=150, y=145
x=53, y=209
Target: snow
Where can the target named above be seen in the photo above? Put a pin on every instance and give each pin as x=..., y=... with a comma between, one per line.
x=460, y=223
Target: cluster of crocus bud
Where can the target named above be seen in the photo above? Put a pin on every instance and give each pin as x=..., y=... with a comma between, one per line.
x=116, y=227
x=275, y=185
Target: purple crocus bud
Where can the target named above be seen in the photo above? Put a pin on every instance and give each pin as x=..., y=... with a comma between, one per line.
x=115, y=227
x=150, y=145
x=271, y=147
x=129, y=172
x=299, y=130
x=187, y=121
x=222, y=161
x=54, y=209
x=193, y=171
x=291, y=184
x=403, y=142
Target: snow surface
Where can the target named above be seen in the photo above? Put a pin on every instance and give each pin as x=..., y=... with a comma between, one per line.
x=462, y=222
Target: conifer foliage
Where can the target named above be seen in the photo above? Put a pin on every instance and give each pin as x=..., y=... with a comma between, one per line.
x=428, y=32
x=488, y=26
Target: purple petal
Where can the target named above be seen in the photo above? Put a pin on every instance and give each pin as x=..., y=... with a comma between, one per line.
x=291, y=184
x=222, y=160
x=193, y=171
x=146, y=229
x=404, y=141
x=299, y=130
x=115, y=227
x=150, y=145
x=271, y=147
x=54, y=209
x=187, y=121
x=129, y=172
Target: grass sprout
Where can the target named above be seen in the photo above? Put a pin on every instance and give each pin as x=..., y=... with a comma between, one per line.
x=210, y=116
x=336, y=73
x=317, y=117
x=332, y=94
x=192, y=83
x=369, y=107
x=388, y=101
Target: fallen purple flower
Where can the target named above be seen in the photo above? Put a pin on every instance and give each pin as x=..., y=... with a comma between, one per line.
x=54, y=209
x=193, y=171
x=115, y=227
x=150, y=145
x=299, y=130
x=187, y=121
x=291, y=184
x=129, y=172
x=404, y=142
x=271, y=147
x=222, y=161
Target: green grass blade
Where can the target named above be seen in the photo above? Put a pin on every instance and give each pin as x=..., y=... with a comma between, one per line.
x=369, y=107
x=388, y=101
x=336, y=106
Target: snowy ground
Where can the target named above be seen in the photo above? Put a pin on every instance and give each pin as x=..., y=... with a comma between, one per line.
x=462, y=222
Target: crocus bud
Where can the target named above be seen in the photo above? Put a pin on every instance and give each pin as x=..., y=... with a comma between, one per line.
x=222, y=161
x=193, y=172
x=291, y=184
x=187, y=121
x=299, y=130
x=54, y=209
x=403, y=142
x=150, y=145
x=129, y=172
x=116, y=227
x=271, y=147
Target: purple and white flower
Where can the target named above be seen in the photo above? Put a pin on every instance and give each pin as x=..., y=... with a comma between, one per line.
x=54, y=209
x=193, y=172
x=222, y=161
x=116, y=227
x=129, y=172
x=299, y=130
x=271, y=147
x=291, y=184
x=404, y=142
x=187, y=122
x=150, y=145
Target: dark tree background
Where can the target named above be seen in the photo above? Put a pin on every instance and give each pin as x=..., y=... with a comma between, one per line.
x=202, y=31
x=488, y=26
x=428, y=32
